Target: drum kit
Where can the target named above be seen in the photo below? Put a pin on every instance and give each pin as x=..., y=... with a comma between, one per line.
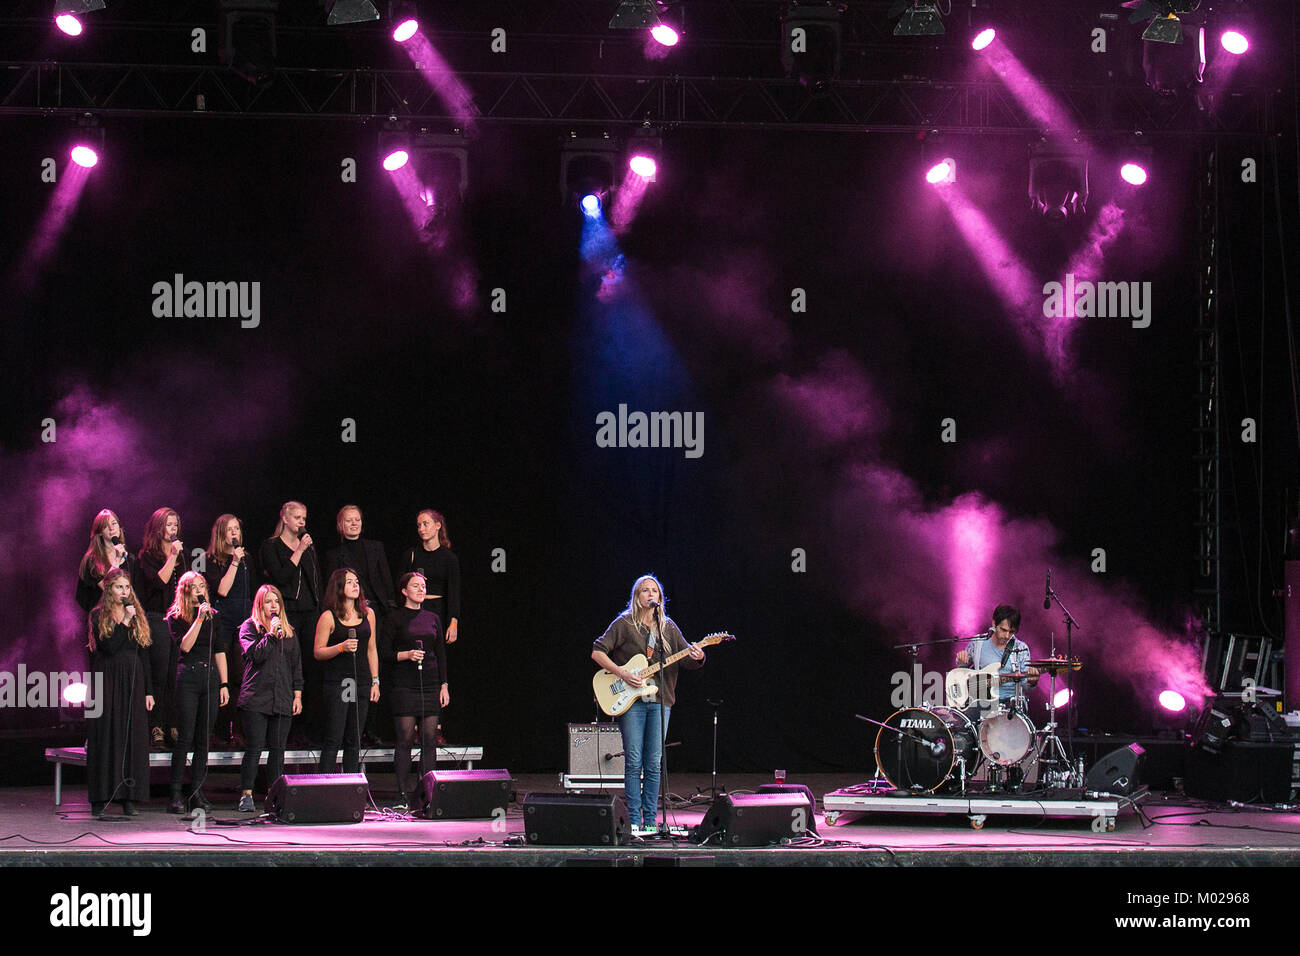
x=978, y=734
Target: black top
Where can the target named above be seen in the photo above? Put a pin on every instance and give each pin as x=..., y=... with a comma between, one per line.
x=400, y=632
x=239, y=602
x=299, y=583
x=272, y=670
x=441, y=570
x=368, y=560
x=156, y=596
x=120, y=652
x=341, y=667
x=204, y=645
x=88, y=590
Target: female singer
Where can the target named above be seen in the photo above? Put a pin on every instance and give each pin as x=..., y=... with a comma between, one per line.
x=434, y=559
x=346, y=649
x=161, y=562
x=117, y=741
x=201, y=685
x=106, y=552
x=230, y=582
x=271, y=694
x=417, y=684
x=288, y=560
x=644, y=628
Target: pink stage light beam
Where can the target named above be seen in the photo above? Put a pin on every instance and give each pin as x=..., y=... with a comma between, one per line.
x=442, y=79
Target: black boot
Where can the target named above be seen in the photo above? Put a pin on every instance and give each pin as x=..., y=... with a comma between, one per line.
x=199, y=801
x=177, y=805
x=129, y=810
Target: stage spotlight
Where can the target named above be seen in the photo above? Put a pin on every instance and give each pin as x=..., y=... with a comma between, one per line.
x=643, y=166
x=635, y=15
x=1134, y=174
x=1173, y=701
x=1165, y=27
x=396, y=160
x=349, y=11
x=405, y=30
x=75, y=694
x=916, y=19
x=67, y=14
x=1058, y=180
x=1169, y=68
x=1234, y=42
x=983, y=39
x=644, y=148
x=589, y=166
x=810, y=43
x=1061, y=699
x=84, y=156
x=590, y=205
x=664, y=35
x=942, y=173
x=247, y=38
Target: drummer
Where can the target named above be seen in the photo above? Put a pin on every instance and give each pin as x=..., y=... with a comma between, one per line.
x=989, y=649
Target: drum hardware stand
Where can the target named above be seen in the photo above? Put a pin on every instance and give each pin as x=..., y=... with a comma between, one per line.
x=1071, y=625
x=1051, y=752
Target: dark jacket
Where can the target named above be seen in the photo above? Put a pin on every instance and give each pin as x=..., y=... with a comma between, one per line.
x=272, y=670
x=375, y=575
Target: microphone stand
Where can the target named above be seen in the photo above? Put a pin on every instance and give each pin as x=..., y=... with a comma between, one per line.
x=715, y=704
x=1070, y=625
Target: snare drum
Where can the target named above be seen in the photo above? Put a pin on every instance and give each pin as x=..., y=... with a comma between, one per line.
x=925, y=754
x=1006, y=737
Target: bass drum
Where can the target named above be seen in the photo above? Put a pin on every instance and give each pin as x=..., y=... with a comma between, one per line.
x=1006, y=737
x=920, y=749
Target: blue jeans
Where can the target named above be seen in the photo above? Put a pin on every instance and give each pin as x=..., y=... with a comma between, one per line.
x=643, y=744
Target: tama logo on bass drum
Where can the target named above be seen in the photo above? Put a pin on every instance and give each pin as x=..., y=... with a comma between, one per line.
x=916, y=723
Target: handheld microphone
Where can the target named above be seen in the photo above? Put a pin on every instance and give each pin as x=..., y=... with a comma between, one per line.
x=276, y=627
x=419, y=646
x=1047, y=592
x=352, y=634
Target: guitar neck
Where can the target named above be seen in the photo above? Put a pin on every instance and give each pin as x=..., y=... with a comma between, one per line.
x=674, y=658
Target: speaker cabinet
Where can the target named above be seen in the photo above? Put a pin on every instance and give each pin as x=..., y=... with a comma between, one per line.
x=1244, y=772
x=319, y=797
x=755, y=819
x=575, y=819
x=1119, y=772
x=466, y=794
x=595, y=750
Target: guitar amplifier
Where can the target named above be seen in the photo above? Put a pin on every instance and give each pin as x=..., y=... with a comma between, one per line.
x=319, y=798
x=595, y=750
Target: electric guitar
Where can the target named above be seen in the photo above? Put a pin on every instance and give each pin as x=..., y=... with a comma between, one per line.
x=965, y=686
x=615, y=696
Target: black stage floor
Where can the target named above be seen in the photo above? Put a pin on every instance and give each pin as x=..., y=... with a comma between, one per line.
x=1167, y=830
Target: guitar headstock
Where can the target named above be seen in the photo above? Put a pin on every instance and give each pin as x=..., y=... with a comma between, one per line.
x=716, y=638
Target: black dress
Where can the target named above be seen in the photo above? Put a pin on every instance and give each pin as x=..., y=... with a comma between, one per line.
x=117, y=741
x=412, y=691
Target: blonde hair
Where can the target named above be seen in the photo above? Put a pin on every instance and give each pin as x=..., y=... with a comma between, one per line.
x=634, y=612
x=284, y=509
x=101, y=621
x=259, y=609
x=183, y=605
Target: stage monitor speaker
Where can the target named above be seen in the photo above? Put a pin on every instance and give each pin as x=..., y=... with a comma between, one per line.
x=1244, y=772
x=575, y=819
x=319, y=798
x=755, y=819
x=1119, y=772
x=796, y=788
x=595, y=750
x=466, y=794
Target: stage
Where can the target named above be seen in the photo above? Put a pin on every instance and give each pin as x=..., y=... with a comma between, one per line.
x=1167, y=830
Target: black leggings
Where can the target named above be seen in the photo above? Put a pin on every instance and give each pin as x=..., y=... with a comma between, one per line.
x=344, y=723
x=406, y=737
x=261, y=730
x=194, y=710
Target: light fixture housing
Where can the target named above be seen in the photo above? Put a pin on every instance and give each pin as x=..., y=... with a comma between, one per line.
x=635, y=15
x=1058, y=180
x=349, y=11
x=917, y=18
